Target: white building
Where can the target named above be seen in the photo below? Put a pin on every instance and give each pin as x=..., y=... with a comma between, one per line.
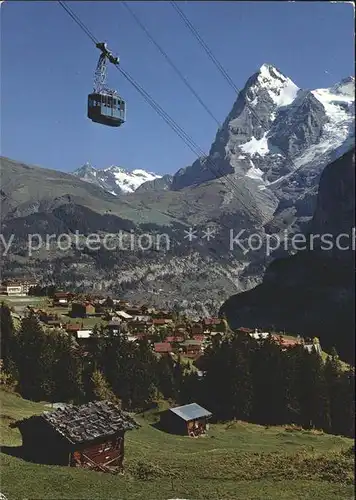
x=84, y=334
x=17, y=288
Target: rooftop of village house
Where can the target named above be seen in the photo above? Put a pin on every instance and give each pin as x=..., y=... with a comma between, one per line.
x=86, y=422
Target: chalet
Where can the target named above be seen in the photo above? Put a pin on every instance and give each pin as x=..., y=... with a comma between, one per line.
x=175, y=338
x=191, y=420
x=73, y=327
x=61, y=299
x=89, y=436
x=19, y=287
x=114, y=326
x=211, y=321
x=243, y=329
x=82, y=309
x=161, y=321
x=163, y=348
x=286, y=343
x=191, y=347
x=123, y=315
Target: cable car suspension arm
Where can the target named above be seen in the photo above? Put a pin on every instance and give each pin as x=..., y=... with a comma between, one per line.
x=101, y=68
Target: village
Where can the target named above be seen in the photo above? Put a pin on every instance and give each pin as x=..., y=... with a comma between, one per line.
x=168, y=333
x=91, y=435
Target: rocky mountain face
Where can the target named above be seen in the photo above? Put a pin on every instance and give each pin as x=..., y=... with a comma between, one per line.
x=117, y=180
x=281, y=137
x=260, y=177
x=313, y=291
x=163, y=183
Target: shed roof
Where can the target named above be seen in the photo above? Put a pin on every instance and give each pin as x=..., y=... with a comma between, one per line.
x=199, y=338
x=243, y=329
x=174, y=338
x=212, y=321
x=284, y=342
x=87, y=422
x=161, y=321
x=73, y=327
x=123, y=314
x=192, y=342
x=162, y=347
x=191, y=411
x=57, y=295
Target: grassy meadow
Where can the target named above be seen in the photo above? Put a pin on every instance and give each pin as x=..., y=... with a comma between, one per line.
x=235, y=461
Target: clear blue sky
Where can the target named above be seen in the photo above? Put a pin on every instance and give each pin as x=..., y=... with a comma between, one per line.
x=47, y=66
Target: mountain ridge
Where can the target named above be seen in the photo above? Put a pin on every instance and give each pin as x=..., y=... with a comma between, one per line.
x=261, y=193
x=116, y=180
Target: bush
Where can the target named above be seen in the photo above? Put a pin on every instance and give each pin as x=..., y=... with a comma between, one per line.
x=146, y=471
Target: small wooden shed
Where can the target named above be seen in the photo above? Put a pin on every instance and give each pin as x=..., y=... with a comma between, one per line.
x=190, y=419
x=90, y=436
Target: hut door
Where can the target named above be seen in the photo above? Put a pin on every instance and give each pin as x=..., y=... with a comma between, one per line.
x=76, y=459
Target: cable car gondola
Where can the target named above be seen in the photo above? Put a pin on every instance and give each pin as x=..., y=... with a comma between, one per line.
x=105, y=106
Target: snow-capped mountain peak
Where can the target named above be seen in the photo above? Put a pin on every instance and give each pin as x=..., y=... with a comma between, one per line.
x=114, y=179
x=270, y=72
x=87, y=173
x=281, y=89
x=277, y=132
x=130, y=181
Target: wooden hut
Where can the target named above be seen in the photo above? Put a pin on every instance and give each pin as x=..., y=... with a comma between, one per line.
x=90, y=436
x=191, y=420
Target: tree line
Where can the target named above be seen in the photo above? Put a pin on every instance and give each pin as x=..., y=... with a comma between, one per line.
x=242, y=378
x=257, y=381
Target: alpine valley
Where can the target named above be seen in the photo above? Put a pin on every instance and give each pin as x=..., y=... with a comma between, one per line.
x=260, y=177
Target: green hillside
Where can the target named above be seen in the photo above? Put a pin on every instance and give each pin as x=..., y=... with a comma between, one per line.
x=235, y=461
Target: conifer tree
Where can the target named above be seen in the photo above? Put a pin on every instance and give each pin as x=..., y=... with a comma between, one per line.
x=165, y=376
x=314, y=395
x=28, y=358
x=67, y=369
x=7, y=333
